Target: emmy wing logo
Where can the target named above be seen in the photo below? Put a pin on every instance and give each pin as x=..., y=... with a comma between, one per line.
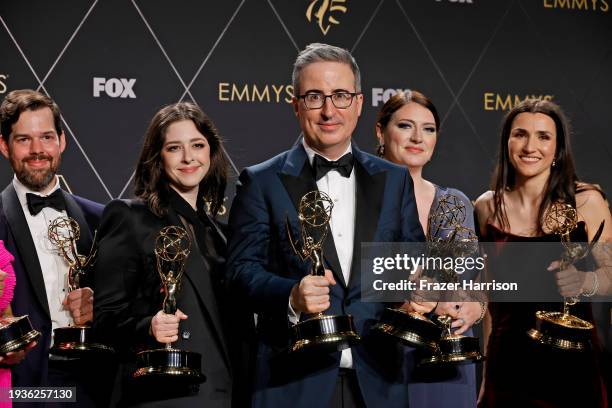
x=324, y=14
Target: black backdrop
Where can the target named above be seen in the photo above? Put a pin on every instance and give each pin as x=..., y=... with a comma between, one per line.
x=111, y=64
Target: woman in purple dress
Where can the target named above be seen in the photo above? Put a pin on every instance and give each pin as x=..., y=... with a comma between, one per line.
x=535, y=171
x=407, y=128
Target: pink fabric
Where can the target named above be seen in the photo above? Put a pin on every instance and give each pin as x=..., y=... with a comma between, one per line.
x=6, y=266
x=6, y=260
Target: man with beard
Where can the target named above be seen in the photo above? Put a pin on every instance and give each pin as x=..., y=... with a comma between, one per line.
x=33, y=141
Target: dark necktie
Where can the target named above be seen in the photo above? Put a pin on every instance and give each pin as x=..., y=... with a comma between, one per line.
x=343, y=165
x=36, y=203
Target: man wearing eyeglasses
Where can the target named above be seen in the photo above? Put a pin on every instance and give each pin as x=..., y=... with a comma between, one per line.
x=373, y=200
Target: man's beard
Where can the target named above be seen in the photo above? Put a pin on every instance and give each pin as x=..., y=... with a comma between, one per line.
x=37, y=179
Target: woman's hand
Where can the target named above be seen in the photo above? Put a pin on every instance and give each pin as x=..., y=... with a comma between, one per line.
x=165, y=327
x=570, y=280
x=464, y=314
x=420, y=306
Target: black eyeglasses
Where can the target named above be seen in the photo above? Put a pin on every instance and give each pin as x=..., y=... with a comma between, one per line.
x=341, y=100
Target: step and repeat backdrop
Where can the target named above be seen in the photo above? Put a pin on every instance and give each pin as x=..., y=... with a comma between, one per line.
x=111, y=64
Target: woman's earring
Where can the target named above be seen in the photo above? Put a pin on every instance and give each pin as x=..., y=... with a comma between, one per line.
x=380, y=150
x=554, y=163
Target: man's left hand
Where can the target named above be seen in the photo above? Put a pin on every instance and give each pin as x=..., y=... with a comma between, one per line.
x=80, y=305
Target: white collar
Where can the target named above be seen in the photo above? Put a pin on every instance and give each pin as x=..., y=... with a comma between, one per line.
x=310, y=152
x=22, y=190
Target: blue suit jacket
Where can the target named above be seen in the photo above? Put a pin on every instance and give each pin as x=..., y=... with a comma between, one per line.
x=30, y=296
x=263, y=266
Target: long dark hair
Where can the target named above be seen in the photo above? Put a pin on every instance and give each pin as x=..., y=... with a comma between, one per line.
x=150, y=181
x=561, y=184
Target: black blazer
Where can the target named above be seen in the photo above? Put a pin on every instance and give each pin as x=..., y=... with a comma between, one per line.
x=128, y=295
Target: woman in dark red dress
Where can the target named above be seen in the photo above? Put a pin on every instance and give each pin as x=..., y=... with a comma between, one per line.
x=535, y=170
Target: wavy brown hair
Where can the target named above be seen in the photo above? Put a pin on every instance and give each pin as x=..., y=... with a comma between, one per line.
x=20, y=100
x=562, y=182
x=150, y=181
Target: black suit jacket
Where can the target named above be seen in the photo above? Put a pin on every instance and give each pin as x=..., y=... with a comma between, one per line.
x=30, y=296
x=128, y=295
x=263, y=266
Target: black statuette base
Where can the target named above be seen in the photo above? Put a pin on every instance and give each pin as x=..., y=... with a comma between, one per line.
x=78, y=341
x=410, y=328
x=16, y=333
x=169, y=365
x=562, y=331
x=456, y=349
x=324, y=333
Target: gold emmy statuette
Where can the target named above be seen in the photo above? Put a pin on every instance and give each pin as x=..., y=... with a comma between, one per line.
x=446, y=236
x=77, y=340
x=320, y=332
x=562, y=329
x=454, y=348
x=172, y=247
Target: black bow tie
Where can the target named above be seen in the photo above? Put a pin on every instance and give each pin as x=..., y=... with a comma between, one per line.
x=321, y=165
x=36, y=203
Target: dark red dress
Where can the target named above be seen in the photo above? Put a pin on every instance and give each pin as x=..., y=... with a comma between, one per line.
x=523, y=373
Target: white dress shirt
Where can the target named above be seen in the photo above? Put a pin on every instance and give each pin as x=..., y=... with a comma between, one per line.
x=342, y=225
x=53, y=266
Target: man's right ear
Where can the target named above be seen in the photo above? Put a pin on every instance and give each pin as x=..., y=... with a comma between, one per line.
x=62, y=140
x=4, y=147
x=294, y=102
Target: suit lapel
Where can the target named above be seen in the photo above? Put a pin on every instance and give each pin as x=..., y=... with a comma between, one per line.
x=368, y=196
x=23, y=239
x=216, y=227
x=298, y=178
x=201, y=280
x=74, y=211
